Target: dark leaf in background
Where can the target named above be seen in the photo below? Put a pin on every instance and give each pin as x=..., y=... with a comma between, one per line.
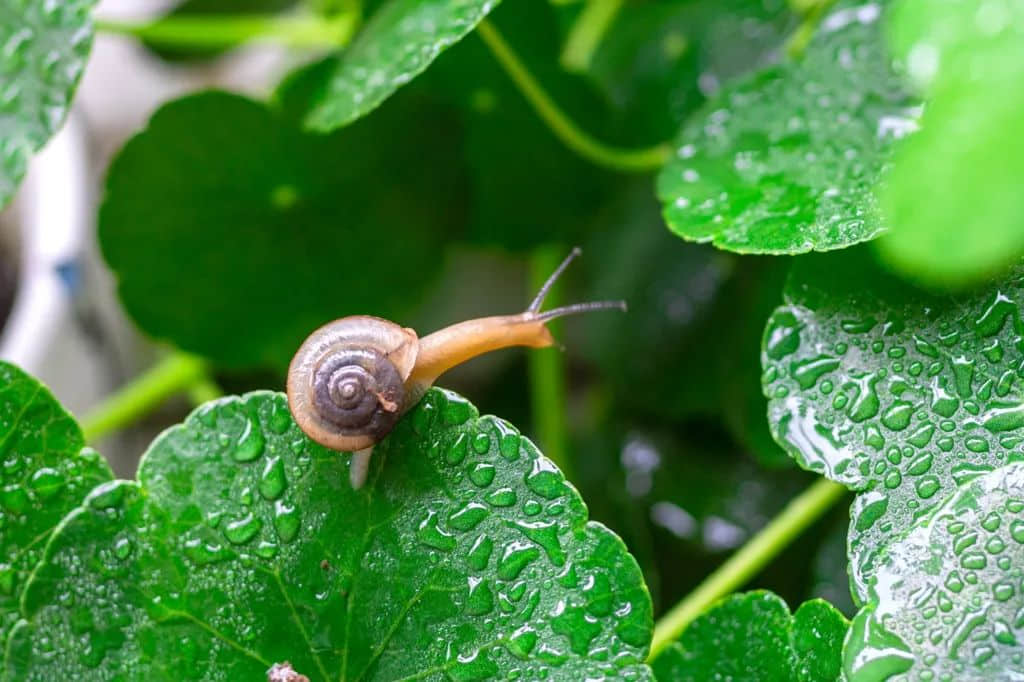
x=233, y=234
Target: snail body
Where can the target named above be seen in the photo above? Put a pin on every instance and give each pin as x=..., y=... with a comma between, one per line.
x=353, y=378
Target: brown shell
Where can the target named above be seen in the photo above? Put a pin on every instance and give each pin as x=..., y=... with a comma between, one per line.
x=385, y=340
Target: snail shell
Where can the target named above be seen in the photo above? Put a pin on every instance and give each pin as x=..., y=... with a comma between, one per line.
x=346, y=384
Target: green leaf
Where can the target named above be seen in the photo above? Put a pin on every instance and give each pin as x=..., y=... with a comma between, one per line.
x=233, y=234
x=695, y=313
x=45, y=47
x=786, y=161
x=659, y=60
x=46, y=473
x=893, y=392
x=752, y=636
x=958, y=221
x=508, y=149
x=946, y=600
x=467, y=555
x=398, y=43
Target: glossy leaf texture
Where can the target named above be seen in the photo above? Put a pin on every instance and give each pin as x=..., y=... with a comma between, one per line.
x=895, y=393
x=45, y=47
x=466, y=556
x=400, y=40
x=786, y=160
x=946, y=601
x=46, y=473
x=957, y=222
x=753, y=636
x=322, y=237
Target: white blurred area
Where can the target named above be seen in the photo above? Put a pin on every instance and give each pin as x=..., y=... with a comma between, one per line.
x=66, y=326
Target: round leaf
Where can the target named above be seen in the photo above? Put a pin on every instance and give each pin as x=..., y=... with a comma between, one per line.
x=946, y=599
x=46, y=474
x=45, y=47
x=233, y=234
x=786, y=161
x=892, y=392
x=466, y=555
x=398, y=43
x=752, y=636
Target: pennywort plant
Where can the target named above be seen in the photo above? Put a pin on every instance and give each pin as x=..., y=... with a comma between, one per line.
x=811, y=209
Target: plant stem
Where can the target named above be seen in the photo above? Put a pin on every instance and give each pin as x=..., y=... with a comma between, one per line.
x=627, y=160
x=175, y=373
x=546, y=370
x=813, y=10
x=751, y=558
x=586, y=33
x=204, y=390
x=227, y=30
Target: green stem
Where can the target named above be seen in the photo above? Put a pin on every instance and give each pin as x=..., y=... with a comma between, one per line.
x=586, y=33
x=175, y=373
x=546, y=371
x=801, y=512
x=813, y=11
x=226, y=30
x=628, y=160
x=204, y=390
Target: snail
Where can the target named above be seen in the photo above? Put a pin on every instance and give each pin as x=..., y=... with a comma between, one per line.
x=353, y=378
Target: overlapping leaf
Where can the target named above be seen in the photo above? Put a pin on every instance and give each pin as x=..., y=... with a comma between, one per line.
x=786, y=161
x=45, y=474
x=753, y=636
x=466, y=556
x=44, y=49
x=894, y=393
x=946, y=600
x=234, y=235
x=401, y=40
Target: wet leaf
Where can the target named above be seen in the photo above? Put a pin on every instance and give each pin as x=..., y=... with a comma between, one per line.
x=786, y=160
x=398, y=43
x=233, y=234
x=45, y=474
x=892, y=392
x=45, y=47
x=467, y=555
x=753, y=636
x=958, y=221
x=946, y=600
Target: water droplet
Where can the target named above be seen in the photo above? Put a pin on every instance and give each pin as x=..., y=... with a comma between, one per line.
x=522, y=642
x=545, y=534
x=46, y=482
x=545, y=479
x=122, y=548
x=250, y=444
x=469, y=517
x=431, y=535
x=480, y=600
x=897, y=417
x=272, y=481
x=502, y=497
x=516, y=557
x=927, y=486
x=807, y=372
x=458, y=449
x=241, y=531
x=280, y=418
x=456, y=409
x=480, y=553
x=782, y=336
x=482, y=474
x=481, y=443
x=286, y=521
